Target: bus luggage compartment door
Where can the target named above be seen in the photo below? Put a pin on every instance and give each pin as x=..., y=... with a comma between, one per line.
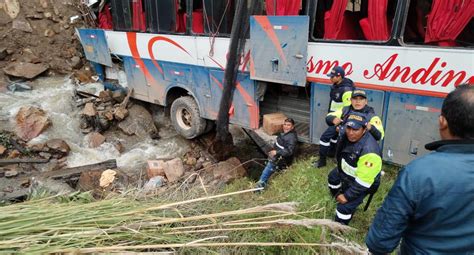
x=412, y=122
x=95, y=46
x=278, y=46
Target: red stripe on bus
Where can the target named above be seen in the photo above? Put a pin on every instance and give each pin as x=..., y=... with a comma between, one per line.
x=268, y=28
x=387, y=88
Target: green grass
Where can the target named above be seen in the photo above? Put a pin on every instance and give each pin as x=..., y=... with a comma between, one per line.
x=43, y=225
x=307, y=185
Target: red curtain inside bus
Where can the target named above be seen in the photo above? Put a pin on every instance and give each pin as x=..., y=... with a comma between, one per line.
x=283, y=7
x=339, y=25
x=105, y=18
x=375, y=27
x=447, y=19
x=138, y=18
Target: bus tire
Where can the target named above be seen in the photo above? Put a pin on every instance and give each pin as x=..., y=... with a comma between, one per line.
x=186, y=119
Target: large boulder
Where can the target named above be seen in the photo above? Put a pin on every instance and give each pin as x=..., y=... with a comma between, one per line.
x=94, y=139
x=58, y=146
x=139, y=122
x=174, y=169
x=229, y=170
x=25, y=70
x=31, y=122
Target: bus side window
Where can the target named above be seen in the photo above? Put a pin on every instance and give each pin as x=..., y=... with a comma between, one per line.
x=354, y=20
x=121, y=15
x=161, y=16
x=423, y=24
x=218, y=16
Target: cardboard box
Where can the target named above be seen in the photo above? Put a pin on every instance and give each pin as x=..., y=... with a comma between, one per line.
x=273, y=123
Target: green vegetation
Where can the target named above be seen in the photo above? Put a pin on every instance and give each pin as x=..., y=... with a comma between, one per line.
x=307, y=185
x=192, y=221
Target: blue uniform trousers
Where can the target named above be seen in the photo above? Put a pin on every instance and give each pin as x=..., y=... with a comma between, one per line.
x=345, y=211
x=327, y=142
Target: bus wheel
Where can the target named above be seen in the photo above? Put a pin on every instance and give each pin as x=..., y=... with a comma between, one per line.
x=186, y=119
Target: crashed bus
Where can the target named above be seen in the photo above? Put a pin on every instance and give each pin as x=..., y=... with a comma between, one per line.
x=407, y=55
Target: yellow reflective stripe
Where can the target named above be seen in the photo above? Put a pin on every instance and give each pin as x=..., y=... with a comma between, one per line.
x=337, y=113
x=348, y=169
x=377, y=123
x=368, y=167
x=346, y=98
x=335, y=106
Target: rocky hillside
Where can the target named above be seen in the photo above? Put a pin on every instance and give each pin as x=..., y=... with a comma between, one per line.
x=39, y=36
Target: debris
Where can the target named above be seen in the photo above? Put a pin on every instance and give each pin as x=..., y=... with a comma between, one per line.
x=30, y=122
x=22, y=25
x=155, y=168
x=229, y=170
x=58, y=146
x=11, y=173
x=3, y=53
x=119, y=146
x=2, y=149
x=12, y=8
x=4, y=162
x=26, y=70
x=69, y=173
x=14, y=154
x=40, y=185
x=107, y=177
x=94, y=139
x=139, y=122
x=18, y=86
x=89, y=110
x=154, y=182
x=174, y=169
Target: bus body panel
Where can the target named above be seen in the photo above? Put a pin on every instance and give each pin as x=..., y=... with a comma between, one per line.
x=409, y=82
x=279, y=49
x=411, y=122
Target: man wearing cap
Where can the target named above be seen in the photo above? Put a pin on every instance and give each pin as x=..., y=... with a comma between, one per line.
x=340, y=95
x=358, y=104
x=430, y=207
x=358, y=167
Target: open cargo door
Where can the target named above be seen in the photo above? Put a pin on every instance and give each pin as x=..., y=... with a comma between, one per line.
x=278, y=46
x=95, y=46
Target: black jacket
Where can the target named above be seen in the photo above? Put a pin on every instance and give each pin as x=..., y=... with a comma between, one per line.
x=337, y=90
x=285, y=146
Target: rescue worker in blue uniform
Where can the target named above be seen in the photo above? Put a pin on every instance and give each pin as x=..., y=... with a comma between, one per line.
x=340, y=94
x=358, y=104
x=282, y=154
x=358, y=168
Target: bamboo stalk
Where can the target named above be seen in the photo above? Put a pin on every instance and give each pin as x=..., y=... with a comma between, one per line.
x=190, y=245
x=165, y=206
x=214, y=230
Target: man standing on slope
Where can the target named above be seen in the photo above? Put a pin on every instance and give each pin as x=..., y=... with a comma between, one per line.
x=340, y=94
x=431, y=205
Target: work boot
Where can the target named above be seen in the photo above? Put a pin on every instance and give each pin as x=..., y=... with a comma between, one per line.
x=321, y=162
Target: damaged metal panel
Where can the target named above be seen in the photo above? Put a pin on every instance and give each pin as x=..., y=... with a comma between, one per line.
x=95, y=46
x=278, y=47
x=412, y=122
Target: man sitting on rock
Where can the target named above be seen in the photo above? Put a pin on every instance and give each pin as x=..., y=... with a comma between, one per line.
x=282, y=154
